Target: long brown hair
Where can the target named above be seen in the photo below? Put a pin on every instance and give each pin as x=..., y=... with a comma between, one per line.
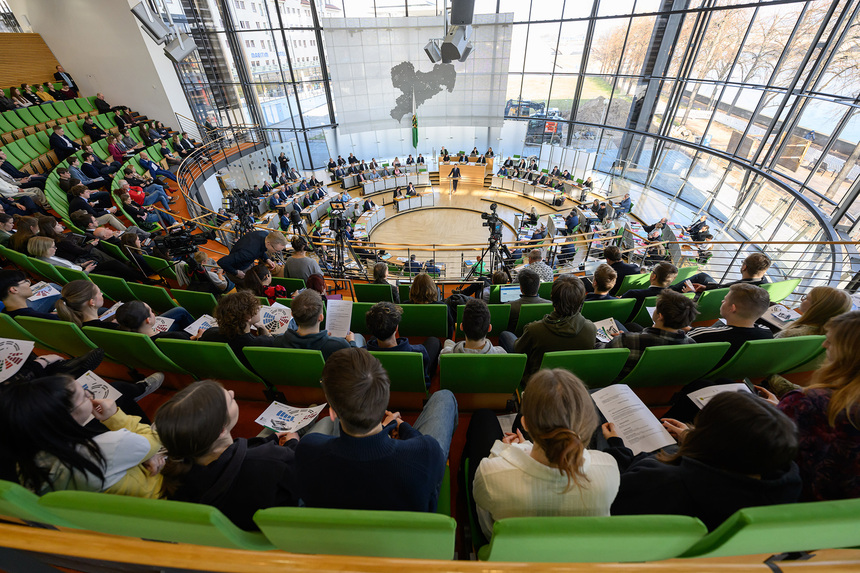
x=24, y=232
x=824, y=303
x=841, y=371
x=423, y=290
x=188, y=426
x=560, y=417
x=74, y=296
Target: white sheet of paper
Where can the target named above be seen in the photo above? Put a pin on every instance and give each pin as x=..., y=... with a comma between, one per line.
x=13, y=354
x=282, y=418
x=634, y=422
x=101, y=390
x=205, y=322
x=109, y=313
x=162, y=324
x=703, y=396
x=41, y=290
x=276, y=318
x=651, y=310
x=338, y=317
x=606, y=329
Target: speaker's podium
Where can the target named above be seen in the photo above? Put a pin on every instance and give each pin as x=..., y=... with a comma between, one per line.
x=452, y=184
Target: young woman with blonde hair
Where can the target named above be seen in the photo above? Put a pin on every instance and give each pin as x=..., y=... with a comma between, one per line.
x=817, y=307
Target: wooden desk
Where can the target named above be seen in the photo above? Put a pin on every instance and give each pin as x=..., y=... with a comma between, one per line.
x=469, y=172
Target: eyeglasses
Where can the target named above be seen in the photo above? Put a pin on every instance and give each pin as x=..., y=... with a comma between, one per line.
x=89, y=394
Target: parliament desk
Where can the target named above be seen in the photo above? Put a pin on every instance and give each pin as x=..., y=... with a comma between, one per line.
x=351, y=181
x=471, y=172
x=315, y=212
x=424, y=199
x=389, y=183
x=472, y=159
x=526, y=188
x=367, y=221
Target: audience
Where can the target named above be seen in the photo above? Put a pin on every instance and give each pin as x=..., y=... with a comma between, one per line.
x=237, y=313
x=543, y=270
x=753, y=271
x=622, y=269
x=137, y=316
x=742, y=307
x=380, y=277
x=475, y=326
x=382, y=321
x=661, y=277
x=307, y=309
x=605, y=278
x=15, y=293
x=529, y=282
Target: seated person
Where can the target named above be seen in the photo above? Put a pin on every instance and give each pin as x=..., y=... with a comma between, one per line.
x=398, y=193
x=299, y=265
x=622, y=269
x=425, y=291
x=529, y=285
x=307, y=308
x=28, y=227
x=214, y=272
x=571, y=222
x=475, y=326
x=503, y=172
x=410, y=190
x=153, y=168
x=673, y=314
x=562, y=329
x=550, y=473
x=368, y=205
x=661, y=277
x=739, y=454
x=623, y=206
x=413, y=266
x=350, y=461
x=536, y=264
x=380, y=277
x=704, y=249
x=236, y=313
x=696, y=226
x=649, y=228
x=258, y=280
x=15, y=293
x=94, y=131
x=382, y=320
x=463, y=158
x=137, y=316
x=753, y=271
x=700, y=235
x=604, y=281
x=540, y=234
x=206, y=465
x=742, y=307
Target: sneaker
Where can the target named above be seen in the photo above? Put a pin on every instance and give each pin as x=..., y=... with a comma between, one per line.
x=152, y=383
x=77, y=367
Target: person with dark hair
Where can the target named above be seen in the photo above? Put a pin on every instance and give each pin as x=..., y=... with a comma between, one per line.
x=549, y=473
x=425, y=291
x=349, y=459
x=137, y=316
x=28, y=227
x=475, y=326
x=15, y=293
x=236, y=313
x=605, y=278
x=738, y=454
x=382, y=320
x=741, y=308
x=42, y=424
x=529, y=282
x=307, y=308
x=380, y=277
x=91, y=129
x=674, y=313
x=562, y=329
x=205, y=464
x=20, y=178
x=299, y=265
x=753, y=271
x=62, y=145
x=7, y=225
x=662, y=275
x=258, y=279
x=154, y=170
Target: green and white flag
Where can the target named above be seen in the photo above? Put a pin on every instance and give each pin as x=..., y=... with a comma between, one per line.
x=414, y=122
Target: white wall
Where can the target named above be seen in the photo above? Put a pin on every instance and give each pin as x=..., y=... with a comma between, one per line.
x=100, y=43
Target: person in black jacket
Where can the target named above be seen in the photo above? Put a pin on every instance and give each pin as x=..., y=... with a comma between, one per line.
x=62, y=76
x=236, y=313
x=206, y=465
x=613, y=259
x=738, y=454
x=90, y=128
x=251, y=247
x=661, y=277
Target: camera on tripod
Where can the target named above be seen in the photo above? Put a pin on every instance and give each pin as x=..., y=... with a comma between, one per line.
x=244, y=206
x=179, y=242
x=493, y=221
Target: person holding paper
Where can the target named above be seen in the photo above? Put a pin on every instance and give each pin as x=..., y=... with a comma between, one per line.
x=739, y=454
x=661, y=277
x=349, y=460
x=475, y=326
x=15, y=294
x=604, y=281
x=307, y=309
x=674, y=313
x=550, y=474
x=382, y=320
x=236, y=313
x=137, y=316
x=42, y=421
x=205, y=464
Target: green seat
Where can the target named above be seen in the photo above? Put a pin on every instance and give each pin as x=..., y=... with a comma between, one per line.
x=761, y=358
x=21, y=503
x=160, y=266
x=676, y=365
x=530, y=313
x=47, y=271
x=372, y=292
x=62, y=109
x=781, y=290
x=197, y=303
x=424, y=320
x=403, y=534
x=114, y=288
x=405, y=370
x=785, y=528
x=616, y=539
x=357, y=322
x=596, y=368
x=403, y=291
x=158, y=519
x=66, y=337
x=500, y=314
x=155, y=296
x=73, y=107
x=9, y=328
x=305, y=366
x=292, y=285
x=85, y=105
x=132, y=349
x=684, y=273
x=597, y=310
x=114, y=251
x=38, y=114
x=642, y=317
x=632, y=282
x=481, y=373
x=27, y=117
x=709, y=304
x=207, y=359
x=545, y=290
x=49, y=110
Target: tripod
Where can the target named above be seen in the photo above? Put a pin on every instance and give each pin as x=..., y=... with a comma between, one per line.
x=341, y=247
x=491, y=258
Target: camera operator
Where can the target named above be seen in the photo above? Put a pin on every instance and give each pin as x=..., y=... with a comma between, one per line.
x=253, y=246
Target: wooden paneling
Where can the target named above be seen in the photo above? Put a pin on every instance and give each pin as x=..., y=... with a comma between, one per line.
x=25, y=58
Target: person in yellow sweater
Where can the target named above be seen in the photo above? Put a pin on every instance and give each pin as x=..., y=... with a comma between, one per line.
x=42, y=94
x=45, y=426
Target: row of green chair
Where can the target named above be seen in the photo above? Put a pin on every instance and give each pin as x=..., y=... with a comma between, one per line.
x=773, y=529
x=24, y=121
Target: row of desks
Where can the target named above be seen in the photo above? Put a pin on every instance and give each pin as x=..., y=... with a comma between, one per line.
x=351, y=181
x=371, y=187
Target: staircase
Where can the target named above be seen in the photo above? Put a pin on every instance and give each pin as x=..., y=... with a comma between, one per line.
x=434, y=178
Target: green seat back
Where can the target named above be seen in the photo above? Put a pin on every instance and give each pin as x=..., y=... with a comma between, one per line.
x=36, y=111
x=495, y=295
x=481, y=373
x=20, y=260
x=617, y=539
x=207, y=359
x=760, y=358
x=158, y=519
x=20, y=503
x=73, y=106
x=47, y=271
x=16, y=154
x=27, y=117
x=132, y=349
x=684, y=273
x=403, y=291
x=62, y=109
x=305, y=366
x=632, y=282
x=530, y=313
x=500, y=314
x=160, y=266
x=545, y=290
x=784, y=528
x=85, y=104
x=114, y=251
x=596, y=368
x=5, y=126
x=372, y=292
x=401, y=534
x=779, y=291
x=424, y=320
x=197, y=303
x=66, y=337
x=155, y=296
x=9, y=328
x=114, y=288
x=50, y=110
x=597, y=310
x=36, y=144
x=676, y=365
x=73, y=130
x=709, y=304
x=405, y=370
x=14, y=119
x=357, y=322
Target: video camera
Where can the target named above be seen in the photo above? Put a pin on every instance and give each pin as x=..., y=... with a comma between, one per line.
x=337, y=218
x=494, y=222
x=179, y=242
